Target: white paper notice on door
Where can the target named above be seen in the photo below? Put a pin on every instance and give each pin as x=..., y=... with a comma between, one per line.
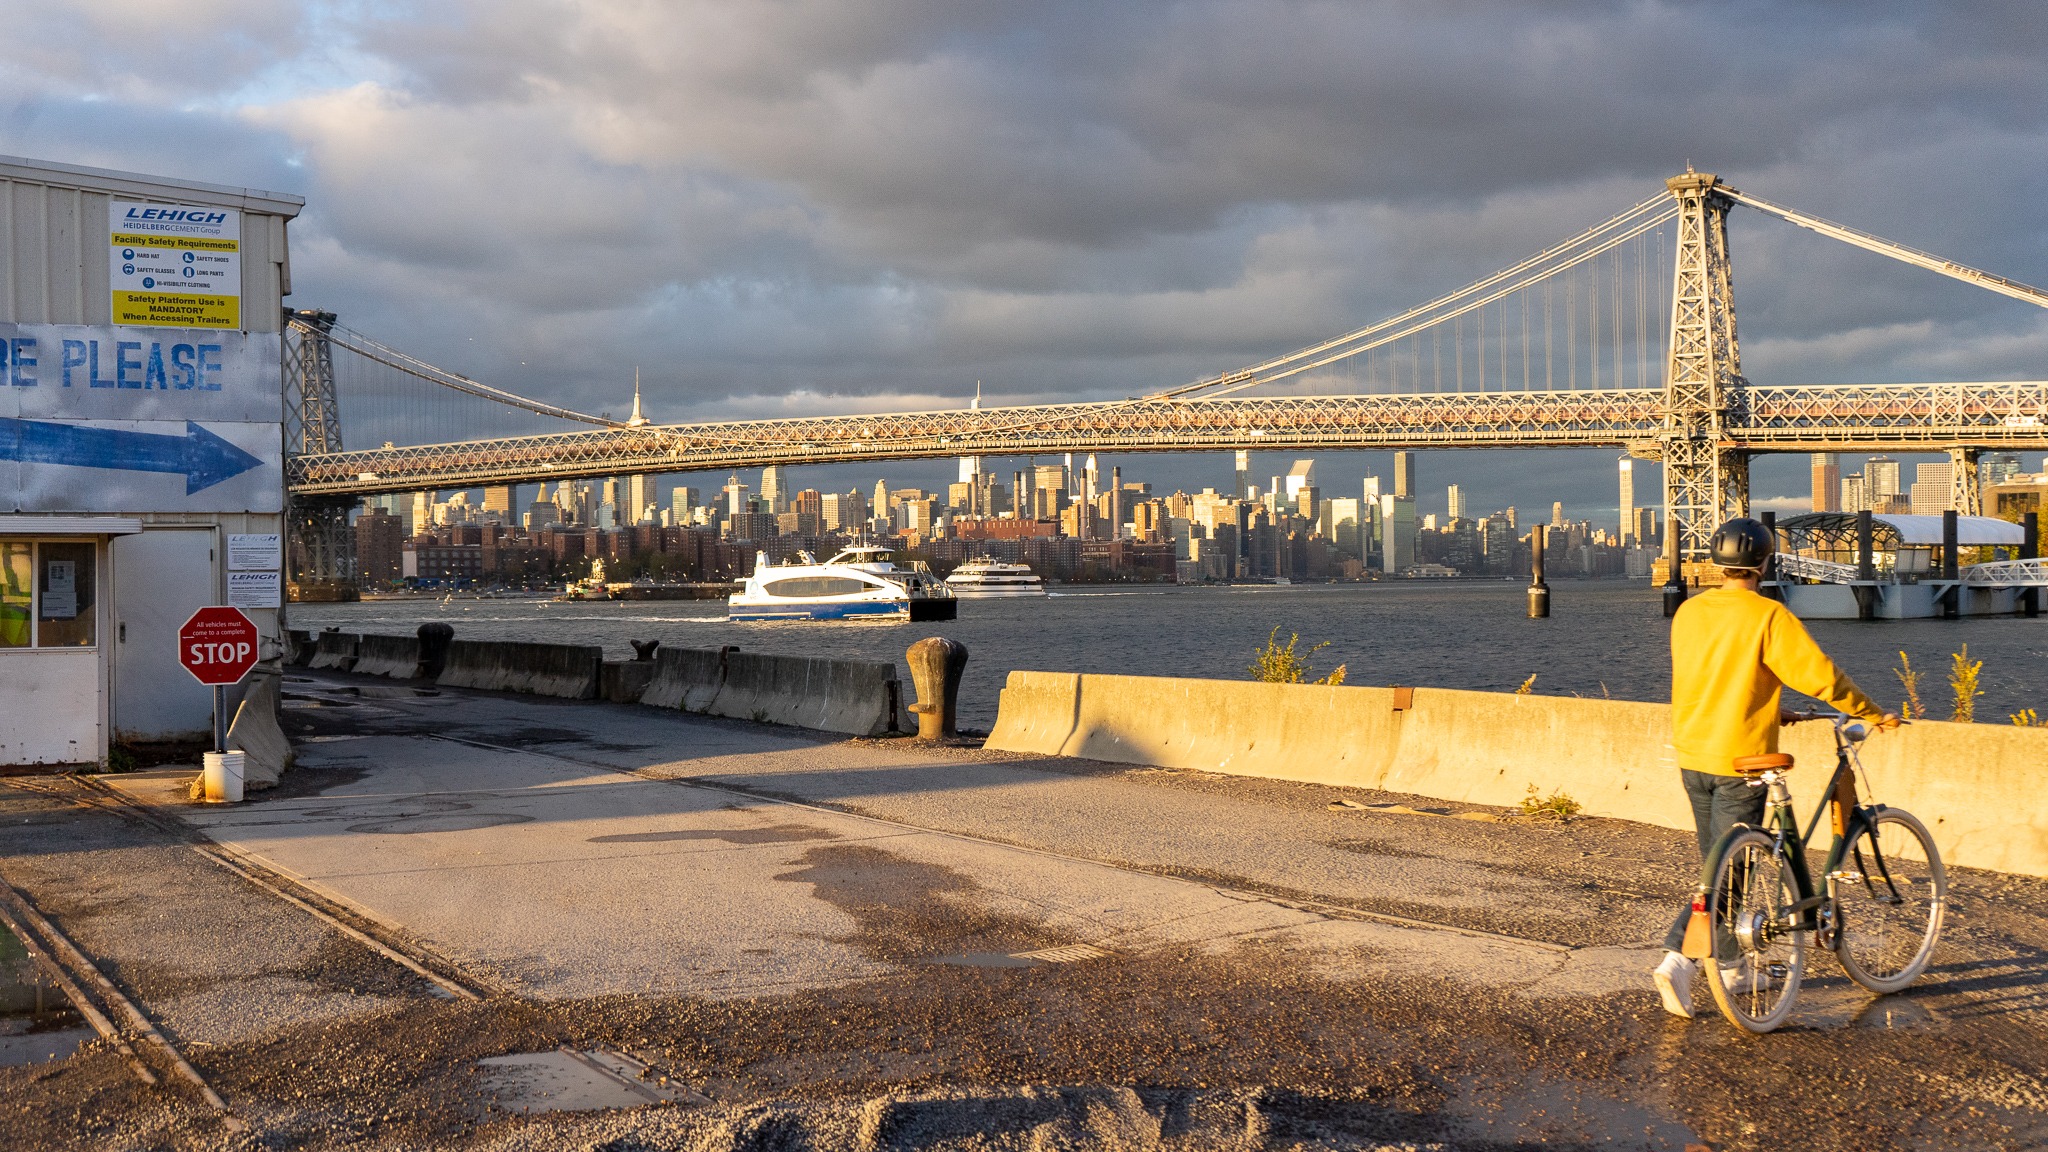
x=254, y=589
x=255, y=552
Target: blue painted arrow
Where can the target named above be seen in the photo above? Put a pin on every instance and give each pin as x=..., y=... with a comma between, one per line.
x=203, y=458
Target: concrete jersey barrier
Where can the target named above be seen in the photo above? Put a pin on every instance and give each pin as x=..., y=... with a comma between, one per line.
x=397, y=657
x=570, y=671
x=685, y=678
x=1978, y=787
x=859, y=698
x=335, y=650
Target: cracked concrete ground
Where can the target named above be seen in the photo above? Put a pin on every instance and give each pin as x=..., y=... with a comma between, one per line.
x=816, y=933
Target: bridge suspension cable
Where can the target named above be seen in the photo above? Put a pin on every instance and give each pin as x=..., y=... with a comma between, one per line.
x=390, y=357
x=1883, y=247
x=1551, y=262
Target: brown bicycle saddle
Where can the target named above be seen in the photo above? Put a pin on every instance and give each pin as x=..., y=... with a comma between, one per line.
x=1766, y=762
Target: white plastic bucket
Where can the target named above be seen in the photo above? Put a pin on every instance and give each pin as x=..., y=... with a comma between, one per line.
x=223, y=777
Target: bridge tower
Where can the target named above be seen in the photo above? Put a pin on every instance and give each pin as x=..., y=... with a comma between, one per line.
x=1705, y=481
x=322, y=543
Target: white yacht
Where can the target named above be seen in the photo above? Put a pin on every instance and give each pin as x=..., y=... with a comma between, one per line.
x=864, y=582
x=986, y=579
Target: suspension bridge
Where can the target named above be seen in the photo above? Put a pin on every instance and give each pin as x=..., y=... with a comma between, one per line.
x=1569, y=348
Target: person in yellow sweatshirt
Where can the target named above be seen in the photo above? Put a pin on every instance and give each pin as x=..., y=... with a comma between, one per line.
x=1732, y=650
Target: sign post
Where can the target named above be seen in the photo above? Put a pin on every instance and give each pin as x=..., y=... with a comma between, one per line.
x=218, y=646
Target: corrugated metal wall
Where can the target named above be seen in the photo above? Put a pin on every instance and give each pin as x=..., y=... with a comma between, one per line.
x=54, y=244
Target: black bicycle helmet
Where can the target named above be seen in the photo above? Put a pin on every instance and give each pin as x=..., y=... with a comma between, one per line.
x=1742, y=543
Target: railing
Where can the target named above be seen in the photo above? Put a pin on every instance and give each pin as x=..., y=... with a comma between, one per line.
x=2008, y=574
x=1812, y=568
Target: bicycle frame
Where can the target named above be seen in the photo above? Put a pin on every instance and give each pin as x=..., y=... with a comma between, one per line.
x=1812, y=911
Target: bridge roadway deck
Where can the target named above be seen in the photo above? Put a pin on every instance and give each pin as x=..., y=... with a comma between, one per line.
x=816, y=933
x=1847, y=417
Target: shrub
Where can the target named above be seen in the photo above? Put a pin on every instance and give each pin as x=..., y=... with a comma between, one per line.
x=1909, y=708
x=1962, y=681
x=1278, y=663
x=1556, y=806
x=2026, y=718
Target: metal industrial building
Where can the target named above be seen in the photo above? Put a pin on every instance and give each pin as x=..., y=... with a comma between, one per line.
x=141, y=446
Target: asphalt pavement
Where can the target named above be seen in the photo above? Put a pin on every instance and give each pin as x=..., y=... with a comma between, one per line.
x=866, y=943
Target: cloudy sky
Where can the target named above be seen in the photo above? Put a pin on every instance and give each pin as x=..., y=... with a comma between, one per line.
x=820, y=206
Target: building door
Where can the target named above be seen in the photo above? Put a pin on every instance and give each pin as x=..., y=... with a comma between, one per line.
x=161, y=577
x=50, y=671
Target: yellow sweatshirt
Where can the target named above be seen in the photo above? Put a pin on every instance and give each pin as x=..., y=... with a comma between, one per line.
x=1731, y=651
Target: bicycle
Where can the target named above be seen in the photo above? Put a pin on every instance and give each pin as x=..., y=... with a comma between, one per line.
x=1880, y=913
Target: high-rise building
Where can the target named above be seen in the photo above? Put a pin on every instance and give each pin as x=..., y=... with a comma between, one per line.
x=774, y=490
x=1881, y=482
x=498, y=503
x=637, y=506
x=1627, y=468
x=879, y=506
x=1244, y=474
x=1997, y=467
x=1827, y=482
x=1557, y=514
x=1301, y=475
x=736, y=497
x=1342, y=524
x=1456, y=501
x=1855, y=494
x=1931, y=488
x=1404, y=474
x=682, y=502
x=1397, y=534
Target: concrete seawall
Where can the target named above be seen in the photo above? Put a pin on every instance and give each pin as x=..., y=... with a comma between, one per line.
x=859, y=698
x=1978, y=787
x=335, y=650
x=397, y=657
x=570, y=671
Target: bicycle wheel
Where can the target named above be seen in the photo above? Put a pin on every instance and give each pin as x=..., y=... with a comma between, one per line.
x=1890, y=894
x=1759, y=957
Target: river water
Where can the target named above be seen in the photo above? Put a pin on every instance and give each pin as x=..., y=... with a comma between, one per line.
x=1603, y=637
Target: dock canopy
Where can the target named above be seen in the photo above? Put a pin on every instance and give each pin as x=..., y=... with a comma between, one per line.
x=1893, y=531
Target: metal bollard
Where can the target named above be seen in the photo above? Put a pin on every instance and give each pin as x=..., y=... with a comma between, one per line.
x=935, y=667
x=434, y=640
x=1539, y=592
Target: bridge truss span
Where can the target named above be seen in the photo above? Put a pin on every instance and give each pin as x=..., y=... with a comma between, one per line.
x=1771, y=419
x=1584, y=418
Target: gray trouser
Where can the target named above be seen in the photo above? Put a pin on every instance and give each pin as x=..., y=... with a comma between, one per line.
x=1718, y=804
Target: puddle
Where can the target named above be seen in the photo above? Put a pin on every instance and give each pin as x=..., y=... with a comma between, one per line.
x=37, y=1024
x=566, y=1080
x=779, y=834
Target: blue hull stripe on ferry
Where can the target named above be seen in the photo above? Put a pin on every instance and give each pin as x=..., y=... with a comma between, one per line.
x=796, y=611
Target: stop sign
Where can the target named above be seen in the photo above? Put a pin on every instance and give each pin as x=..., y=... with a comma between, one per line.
x=217, y=646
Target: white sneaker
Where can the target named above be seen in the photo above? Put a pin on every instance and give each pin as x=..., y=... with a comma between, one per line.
x=1674, y=984
x=1746, y=980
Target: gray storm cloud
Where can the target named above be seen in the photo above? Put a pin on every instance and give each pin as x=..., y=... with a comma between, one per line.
x=873, y=205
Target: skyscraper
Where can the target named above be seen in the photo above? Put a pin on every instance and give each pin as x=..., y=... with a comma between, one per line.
x=774, y=490
x=1628, y=499
x=1557, y=514
x=1997, y=467
x=1456, y=500
x=1404, y=474
x=639, y=499
x=1881, y=482
x=1244, y=473
x=1827, y=482
x=1397, y=534
x=498, y=502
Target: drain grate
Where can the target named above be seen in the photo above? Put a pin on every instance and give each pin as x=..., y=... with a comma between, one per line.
x=1064, y=954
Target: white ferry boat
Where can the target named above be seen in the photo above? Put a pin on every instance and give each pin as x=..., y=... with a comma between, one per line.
x=986, y=579
x=863, y=582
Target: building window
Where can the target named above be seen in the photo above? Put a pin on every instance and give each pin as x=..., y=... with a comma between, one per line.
x=47, y=594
